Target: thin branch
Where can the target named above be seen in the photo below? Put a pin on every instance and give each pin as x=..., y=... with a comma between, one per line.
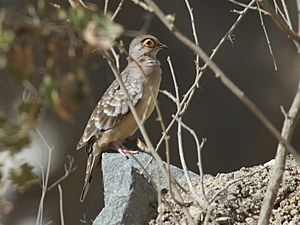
x=39, y=219
x=160, y=198
x=189, y=94
x=176, y=99
x=174, y=81
x=61, y=208
x=279, y=20
x=267, y=37
x=225, y=80
x=183, y=163
x=105, y=6
x=199, y=149
x=179, y=135
x=145, y=135
x=288, y=128
x=287, y=16
x=167, y=145
x=169, y=95
x=298, y=12
x=76, y=3
x=116, y=57
x=69, y=168
x=199, y=163
x=117, y=10
x=250, y=7
x=181, y=154
x=142, y=5
x=197, y=66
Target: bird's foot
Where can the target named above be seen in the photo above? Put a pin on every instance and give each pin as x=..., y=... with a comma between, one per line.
x=123, y=150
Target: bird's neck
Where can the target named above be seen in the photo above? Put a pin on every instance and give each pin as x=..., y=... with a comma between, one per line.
x=148, y=61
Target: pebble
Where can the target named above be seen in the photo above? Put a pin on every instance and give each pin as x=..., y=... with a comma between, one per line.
x=250, y=221
x=240, y=204
x=294, y=212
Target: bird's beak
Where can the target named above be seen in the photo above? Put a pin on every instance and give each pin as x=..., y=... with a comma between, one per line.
x=162, y=46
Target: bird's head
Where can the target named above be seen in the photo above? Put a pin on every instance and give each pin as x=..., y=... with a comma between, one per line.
x=145, y=45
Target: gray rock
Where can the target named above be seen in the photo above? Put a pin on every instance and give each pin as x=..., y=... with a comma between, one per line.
x=130, y=197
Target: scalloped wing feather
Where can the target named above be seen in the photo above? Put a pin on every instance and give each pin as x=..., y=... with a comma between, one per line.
x=112, y=107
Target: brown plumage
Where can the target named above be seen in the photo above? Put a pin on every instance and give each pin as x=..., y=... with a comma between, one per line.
x=111, y=121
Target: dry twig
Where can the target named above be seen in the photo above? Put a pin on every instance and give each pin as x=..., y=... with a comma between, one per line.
x=267, y=37
x=189, y=94
x=118, y=9
x=69, y=168
x=225, y=80
x=279, y=20
x=298, y=12
x=197, y=66
x=61, y=208
x=146, y=137
x=288, y=128
x=45, y=179
x=247, y=6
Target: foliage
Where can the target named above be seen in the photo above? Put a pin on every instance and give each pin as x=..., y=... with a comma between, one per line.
x=22, y=176
x=43, y=49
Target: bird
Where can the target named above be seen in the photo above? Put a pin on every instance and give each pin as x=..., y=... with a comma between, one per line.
x=112, y=121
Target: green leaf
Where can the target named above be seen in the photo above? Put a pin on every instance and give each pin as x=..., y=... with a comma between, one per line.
x=6, y=39
x=79, y=17
x=47, y=87
x=12, y=136
x=98, y=29
x=3, y=61
x=30, y=111
x=22, y=177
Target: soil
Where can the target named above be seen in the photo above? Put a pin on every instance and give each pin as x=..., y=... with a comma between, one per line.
x=239, y=202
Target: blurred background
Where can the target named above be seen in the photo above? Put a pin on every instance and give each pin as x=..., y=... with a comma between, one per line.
x=69, y=78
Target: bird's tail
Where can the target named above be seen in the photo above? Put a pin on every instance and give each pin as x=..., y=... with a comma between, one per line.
x=92, y=162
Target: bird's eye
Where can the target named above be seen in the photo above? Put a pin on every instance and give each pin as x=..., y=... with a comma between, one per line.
x=149, y=43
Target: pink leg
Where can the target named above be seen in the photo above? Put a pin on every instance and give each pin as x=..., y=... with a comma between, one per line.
x=122, y=149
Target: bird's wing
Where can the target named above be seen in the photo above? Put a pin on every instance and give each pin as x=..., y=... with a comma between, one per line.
x=112, y=107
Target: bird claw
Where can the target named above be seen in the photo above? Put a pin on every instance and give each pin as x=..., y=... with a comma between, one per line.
x=123, y=150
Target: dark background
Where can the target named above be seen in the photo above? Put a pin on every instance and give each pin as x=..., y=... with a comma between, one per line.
x=235, y=136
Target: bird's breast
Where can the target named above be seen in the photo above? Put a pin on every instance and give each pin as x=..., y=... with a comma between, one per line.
x=127, y=126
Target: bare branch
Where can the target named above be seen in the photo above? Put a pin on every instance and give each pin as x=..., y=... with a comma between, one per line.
x=169, y=95
x=225, y=80
x=287, y=16
x=199, y=149
x=105, y=6
x=279, y=20
x=167, y=145
x=39, y=219
x=61, y=208
x=145, y=135
x=116, y=57
x=250, y=7
x=298, y=12
x=197, y=66
x=267, y=37
x=117, y=10
x=288, y=128
x=183, y=163
x=76, y=3
x=69, y=168
x=189, y=94
x=142, y=5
